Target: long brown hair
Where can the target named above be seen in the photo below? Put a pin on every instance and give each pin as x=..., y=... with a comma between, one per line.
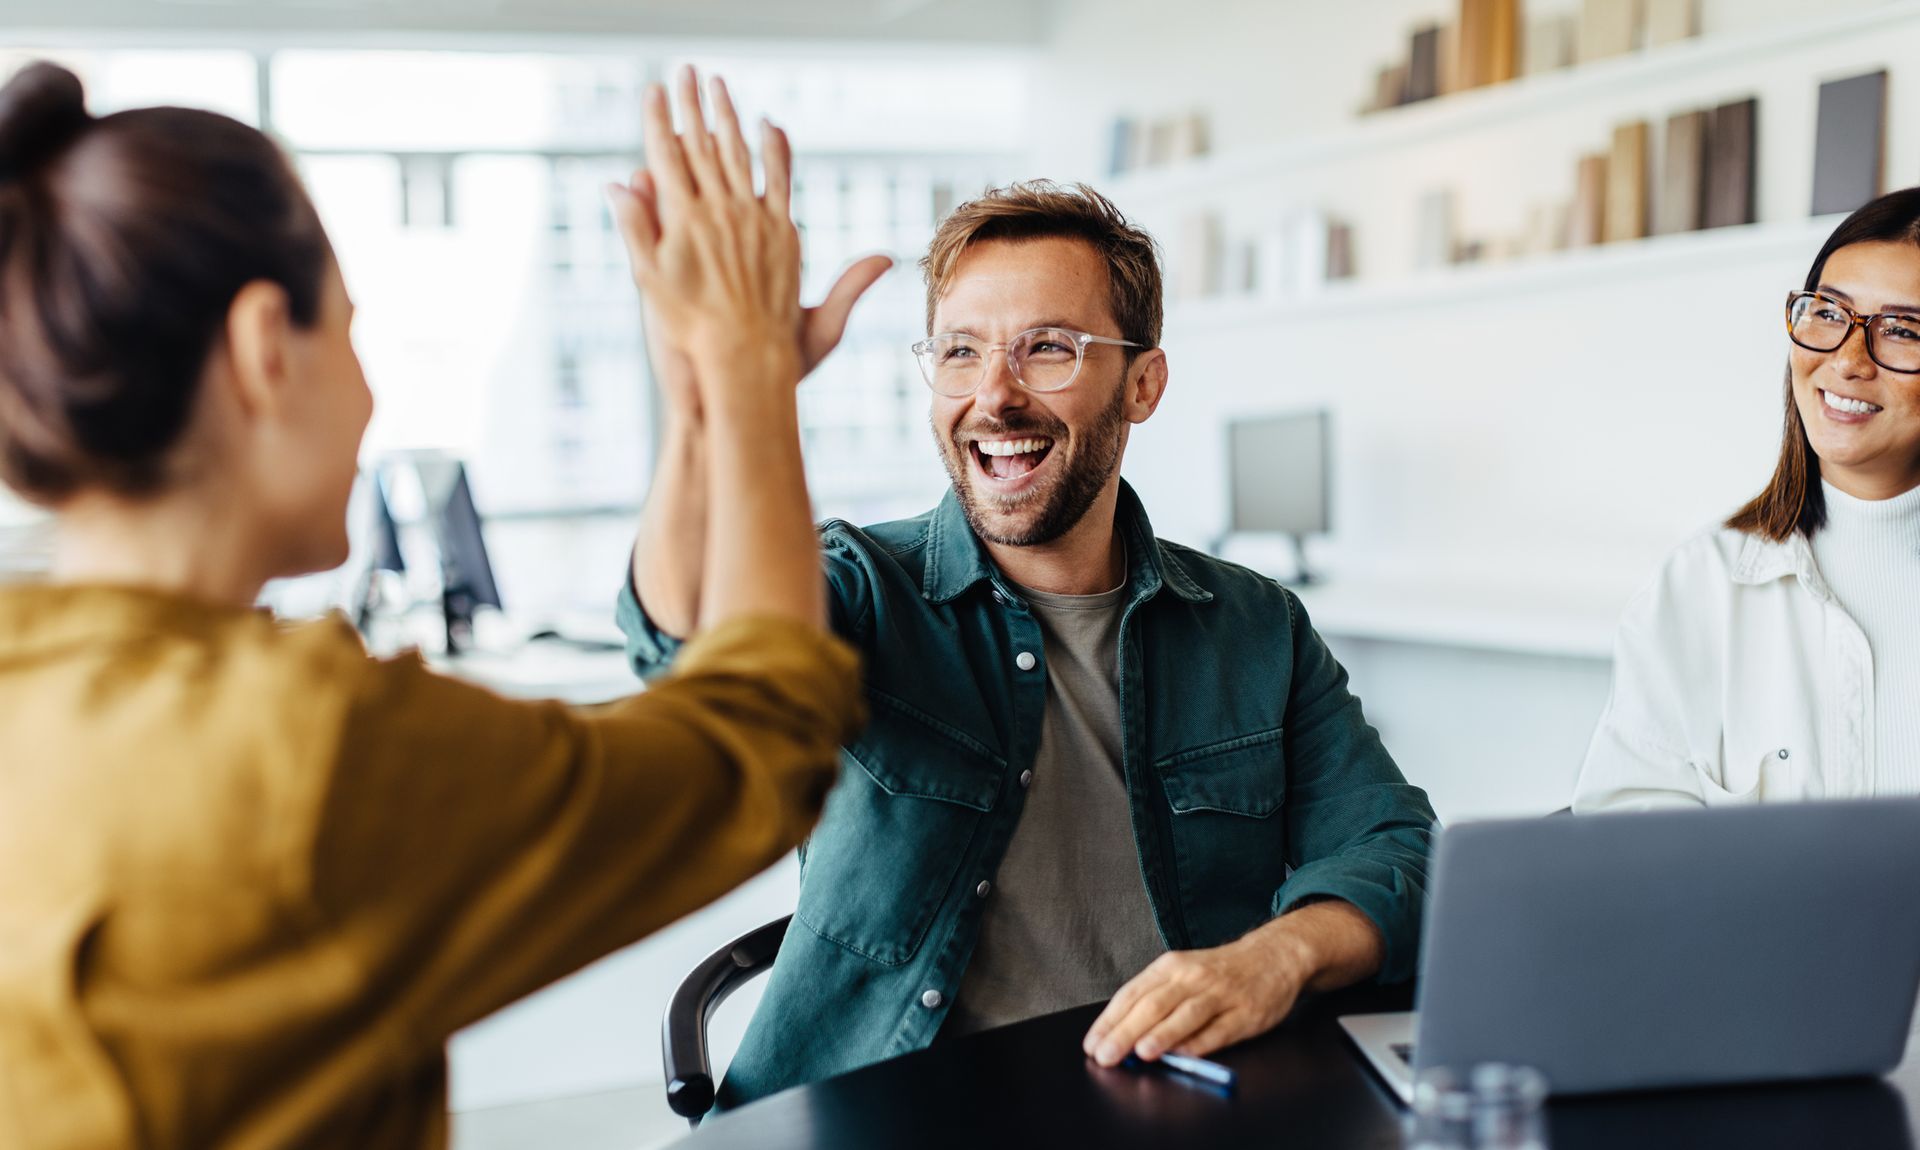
x=123, y=242
x=1793, y=500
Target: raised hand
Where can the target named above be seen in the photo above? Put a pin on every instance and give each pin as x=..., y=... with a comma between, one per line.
x=638, y=207
x=718, y=263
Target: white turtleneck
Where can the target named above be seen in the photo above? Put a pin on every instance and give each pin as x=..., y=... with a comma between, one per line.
x=1869, y=554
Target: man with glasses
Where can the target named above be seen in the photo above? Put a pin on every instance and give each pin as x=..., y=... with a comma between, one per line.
x=1100, y=765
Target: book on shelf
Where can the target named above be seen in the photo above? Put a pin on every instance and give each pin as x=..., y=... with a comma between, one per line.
x=1550, y=43
x=1121, y=159
x=1489, y=42
x=1626, y=212
x=1669, y=21
x=1192, y=138
x=1162, y=138
x=1390, y=87
x=1587, y=221
x=1683, y=184
x=1850, y=143
x=1731, y=139
x=1448, y=57
x=1436, y=235
x=1423, y=65
x=1607, y=28
x=1340, y=262
x=1199, y=269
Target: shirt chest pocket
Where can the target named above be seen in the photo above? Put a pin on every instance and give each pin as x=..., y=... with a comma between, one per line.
x=1229, y=831
x=912, y=795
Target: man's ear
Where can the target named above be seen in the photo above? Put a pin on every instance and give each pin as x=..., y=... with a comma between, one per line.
x=1146, y=384
x=260, y=347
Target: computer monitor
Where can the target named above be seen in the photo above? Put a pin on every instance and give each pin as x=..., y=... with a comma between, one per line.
x=466, y=575
x=1279, y=478
x=375, y=547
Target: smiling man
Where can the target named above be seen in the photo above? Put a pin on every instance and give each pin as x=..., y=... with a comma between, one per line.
x=1101, y=765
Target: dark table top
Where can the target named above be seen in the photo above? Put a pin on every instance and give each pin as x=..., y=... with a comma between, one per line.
x=1303, y=1087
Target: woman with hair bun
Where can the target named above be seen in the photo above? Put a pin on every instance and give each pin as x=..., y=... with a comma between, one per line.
x=1778, y=657
x=250, y=878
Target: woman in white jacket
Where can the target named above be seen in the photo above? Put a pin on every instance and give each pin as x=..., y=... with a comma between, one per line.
x=1778, y=656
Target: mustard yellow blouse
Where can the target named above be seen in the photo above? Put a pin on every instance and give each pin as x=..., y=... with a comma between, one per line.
x=251, y=879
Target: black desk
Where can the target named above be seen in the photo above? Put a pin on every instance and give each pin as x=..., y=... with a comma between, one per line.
x=1301, y=1087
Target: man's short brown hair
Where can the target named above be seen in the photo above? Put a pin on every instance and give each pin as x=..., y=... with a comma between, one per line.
x=1042, y=209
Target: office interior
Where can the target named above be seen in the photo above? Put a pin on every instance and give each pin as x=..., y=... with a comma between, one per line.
x=1396, y=362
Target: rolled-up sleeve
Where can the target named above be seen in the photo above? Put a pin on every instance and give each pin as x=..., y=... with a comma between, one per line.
x=649, y=649
x=1357, y=830
x=473, y=848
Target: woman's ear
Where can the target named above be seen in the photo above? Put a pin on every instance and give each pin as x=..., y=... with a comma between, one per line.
x=260, y=347
x=1146, y=384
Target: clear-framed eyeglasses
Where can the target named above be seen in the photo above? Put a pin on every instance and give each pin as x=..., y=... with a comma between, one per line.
x=1041, y=359
x=1821, y=323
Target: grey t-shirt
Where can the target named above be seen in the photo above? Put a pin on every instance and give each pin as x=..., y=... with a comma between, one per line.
x=1067, y=921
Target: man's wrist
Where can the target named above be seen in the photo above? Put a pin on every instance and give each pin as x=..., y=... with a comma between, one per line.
x=1290, y=948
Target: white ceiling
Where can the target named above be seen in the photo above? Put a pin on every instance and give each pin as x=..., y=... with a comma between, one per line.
x=973, y=21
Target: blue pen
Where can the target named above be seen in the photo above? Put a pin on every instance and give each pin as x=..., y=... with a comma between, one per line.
x=1200, y=1068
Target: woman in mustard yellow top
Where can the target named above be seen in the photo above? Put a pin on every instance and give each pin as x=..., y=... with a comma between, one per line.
x=250, y=878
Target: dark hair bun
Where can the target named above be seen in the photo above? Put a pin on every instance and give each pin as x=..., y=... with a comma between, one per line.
x=42, y=109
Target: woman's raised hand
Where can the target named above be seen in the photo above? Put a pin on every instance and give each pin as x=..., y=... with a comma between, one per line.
x=681, y=170
x=718, y=262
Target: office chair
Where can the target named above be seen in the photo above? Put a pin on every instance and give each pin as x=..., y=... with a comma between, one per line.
x=683, y=1033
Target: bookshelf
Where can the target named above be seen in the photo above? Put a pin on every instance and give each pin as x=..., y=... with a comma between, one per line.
x=1544, y=94
x=1620, y=263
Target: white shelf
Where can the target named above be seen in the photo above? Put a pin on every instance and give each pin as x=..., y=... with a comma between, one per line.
x=1467, y=111
x=1525, y=621
x=1635, y=259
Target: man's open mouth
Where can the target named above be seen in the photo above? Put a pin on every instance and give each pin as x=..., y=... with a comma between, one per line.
x=1010, y=458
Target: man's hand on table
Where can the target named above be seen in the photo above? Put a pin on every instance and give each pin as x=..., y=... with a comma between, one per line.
x=1195, y=1002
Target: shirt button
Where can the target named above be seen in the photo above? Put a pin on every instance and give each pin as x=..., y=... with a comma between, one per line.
x=1783, y=752
x=983, y=888
x=1024, y=660
x=1026, y=779
x=999, y=598
x=932, y=999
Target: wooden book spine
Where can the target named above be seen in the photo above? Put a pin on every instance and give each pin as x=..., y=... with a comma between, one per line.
x=1681, y=205
x=1731, y=138
x=1587, y=222
x=1423, y=65
x=1627, y=184
x=1850, y=144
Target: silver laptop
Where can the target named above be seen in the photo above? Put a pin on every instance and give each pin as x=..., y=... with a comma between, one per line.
x=1684, y=948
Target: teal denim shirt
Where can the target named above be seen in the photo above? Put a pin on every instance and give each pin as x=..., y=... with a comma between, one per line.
x=1256, y=784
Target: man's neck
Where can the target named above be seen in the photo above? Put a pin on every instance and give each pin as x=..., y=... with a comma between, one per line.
x=1087, y=560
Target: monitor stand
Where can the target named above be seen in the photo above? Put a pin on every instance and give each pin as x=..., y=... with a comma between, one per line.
x=1302, y=574
x=457, y=607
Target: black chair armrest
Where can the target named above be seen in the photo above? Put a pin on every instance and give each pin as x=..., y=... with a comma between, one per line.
x=683, y=1034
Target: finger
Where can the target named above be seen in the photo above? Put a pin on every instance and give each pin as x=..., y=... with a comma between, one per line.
x=1152, y=1009
x=639, y=225
x=734, y=157
x=1223, y=1031
x=666, y=159
x=776, y=155
x=1186, y=1020
x=708, y=179
x=1118, y=1007
x=826, y=323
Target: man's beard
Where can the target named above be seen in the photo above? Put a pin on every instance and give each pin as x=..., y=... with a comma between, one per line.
x=1063, y=502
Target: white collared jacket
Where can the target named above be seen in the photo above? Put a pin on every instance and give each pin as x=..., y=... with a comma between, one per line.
x=1737, y=678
